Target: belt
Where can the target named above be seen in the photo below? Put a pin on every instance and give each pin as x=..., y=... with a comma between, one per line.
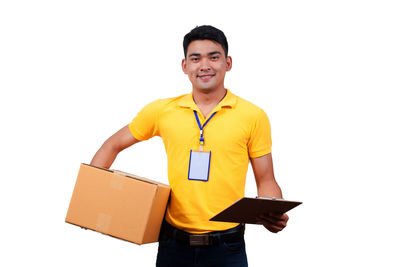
x=206, y=239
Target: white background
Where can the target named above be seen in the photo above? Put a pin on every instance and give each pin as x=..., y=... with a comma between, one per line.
x=326, y=72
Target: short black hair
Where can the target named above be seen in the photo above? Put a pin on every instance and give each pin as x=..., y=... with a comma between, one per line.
x=205, y=32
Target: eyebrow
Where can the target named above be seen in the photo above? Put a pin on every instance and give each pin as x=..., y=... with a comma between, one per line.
x=209, y=54
x=194, y=55
x=214, y=53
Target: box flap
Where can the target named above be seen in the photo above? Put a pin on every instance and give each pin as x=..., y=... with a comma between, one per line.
x=130, y=175
x=108, y=170
x=133, y=176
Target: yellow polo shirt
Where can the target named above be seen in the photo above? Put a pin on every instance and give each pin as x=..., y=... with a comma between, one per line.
x=239, y=130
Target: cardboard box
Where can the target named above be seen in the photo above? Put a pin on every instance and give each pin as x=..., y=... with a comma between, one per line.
x=118, y=204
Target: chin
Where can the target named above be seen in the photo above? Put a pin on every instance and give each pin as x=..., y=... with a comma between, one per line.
x=204, y=87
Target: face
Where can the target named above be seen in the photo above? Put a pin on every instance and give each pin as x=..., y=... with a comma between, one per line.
x=206, y=65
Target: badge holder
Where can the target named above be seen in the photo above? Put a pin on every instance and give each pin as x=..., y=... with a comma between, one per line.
x=199, y=165
x=199, y=160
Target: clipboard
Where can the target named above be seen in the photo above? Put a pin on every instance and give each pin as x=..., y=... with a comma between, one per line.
x=245, y=210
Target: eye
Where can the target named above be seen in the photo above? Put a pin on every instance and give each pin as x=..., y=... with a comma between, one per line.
x=194, y=59
x=214, y=57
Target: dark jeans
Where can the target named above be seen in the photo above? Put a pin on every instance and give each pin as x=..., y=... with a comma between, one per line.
x=174, y=253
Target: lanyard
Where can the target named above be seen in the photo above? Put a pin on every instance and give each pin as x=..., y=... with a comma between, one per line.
x=202, y=127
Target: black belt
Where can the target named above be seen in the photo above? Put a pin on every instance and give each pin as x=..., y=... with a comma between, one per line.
x=206, y=239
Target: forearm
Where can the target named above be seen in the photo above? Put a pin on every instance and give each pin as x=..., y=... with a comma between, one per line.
x=105, y=156
x=269, y=188
x=264, y=175
x=110, y=149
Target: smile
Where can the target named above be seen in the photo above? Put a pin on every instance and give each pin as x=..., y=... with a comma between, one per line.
x=205, y=76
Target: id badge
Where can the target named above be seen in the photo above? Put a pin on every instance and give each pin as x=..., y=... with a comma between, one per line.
x=199, y=165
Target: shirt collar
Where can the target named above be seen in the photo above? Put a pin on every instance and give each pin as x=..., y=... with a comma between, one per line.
x=229, y=100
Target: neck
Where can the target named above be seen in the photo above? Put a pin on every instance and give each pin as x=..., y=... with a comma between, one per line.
x=208, y=97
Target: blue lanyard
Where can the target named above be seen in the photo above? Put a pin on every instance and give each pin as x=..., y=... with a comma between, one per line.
x=202, y=127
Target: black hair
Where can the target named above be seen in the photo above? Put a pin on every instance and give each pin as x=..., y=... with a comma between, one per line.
x=205, y=32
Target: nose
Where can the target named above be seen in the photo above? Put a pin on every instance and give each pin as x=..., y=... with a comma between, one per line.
x=204, y=66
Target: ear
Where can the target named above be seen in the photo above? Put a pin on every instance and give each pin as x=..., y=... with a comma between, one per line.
x=228, y=63
x=184, y=66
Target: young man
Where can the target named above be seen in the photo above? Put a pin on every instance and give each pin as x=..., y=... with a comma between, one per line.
x=209, y=136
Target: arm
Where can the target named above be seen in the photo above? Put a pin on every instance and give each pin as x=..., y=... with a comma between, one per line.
x=268, y=187
x=265, y=179
x=107, y=153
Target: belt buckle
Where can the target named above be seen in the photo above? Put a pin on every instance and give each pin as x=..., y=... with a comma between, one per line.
x=199, y=240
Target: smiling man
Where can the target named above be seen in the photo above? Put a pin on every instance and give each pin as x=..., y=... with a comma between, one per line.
x=210, y=136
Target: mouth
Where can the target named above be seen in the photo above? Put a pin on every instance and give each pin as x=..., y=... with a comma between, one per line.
x=206, y=77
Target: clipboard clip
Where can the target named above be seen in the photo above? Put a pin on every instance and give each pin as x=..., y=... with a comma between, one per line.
x=271, y=198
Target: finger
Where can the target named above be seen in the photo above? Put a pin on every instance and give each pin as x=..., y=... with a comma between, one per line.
x=259, y=220
x=272, y=228
x=275, y=216
x=270, y=218
x=280, y=216
x=273, y=221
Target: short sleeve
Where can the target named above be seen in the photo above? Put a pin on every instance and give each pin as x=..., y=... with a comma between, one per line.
x=260, y=139
x=144, y=125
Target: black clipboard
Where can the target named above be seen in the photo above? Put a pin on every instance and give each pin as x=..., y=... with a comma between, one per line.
x=245, y=210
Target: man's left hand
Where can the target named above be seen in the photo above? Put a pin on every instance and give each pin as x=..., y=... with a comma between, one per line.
x=274, y=222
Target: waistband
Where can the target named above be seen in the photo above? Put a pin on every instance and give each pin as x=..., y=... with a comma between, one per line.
x=207, y=239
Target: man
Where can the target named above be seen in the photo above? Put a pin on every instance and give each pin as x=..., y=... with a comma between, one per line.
x=209, y=136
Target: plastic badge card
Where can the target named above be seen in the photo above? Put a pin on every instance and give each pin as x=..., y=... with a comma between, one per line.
x=199, y=165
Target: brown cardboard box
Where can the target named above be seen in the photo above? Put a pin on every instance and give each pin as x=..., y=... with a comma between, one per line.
x=118, y=204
